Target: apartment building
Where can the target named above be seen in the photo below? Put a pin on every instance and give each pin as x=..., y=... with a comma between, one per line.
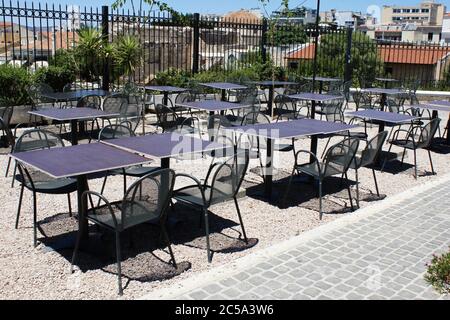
x=427, y=13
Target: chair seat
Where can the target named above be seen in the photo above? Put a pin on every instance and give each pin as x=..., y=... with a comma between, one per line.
x=407, y=144
x=135, y=213
x=54, y=186
x=136, y=171
x=312, y=170
x=192, y=195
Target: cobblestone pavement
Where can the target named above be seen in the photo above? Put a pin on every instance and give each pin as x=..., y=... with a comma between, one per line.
x=379, y=256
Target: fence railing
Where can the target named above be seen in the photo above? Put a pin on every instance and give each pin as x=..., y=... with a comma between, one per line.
x=31, y=35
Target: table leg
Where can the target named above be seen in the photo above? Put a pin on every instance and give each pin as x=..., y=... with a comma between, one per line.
x=74, y=132
x=268, y=174
x=270, y=102
x=82, y=186
x=448, y=130
x=224, y=95
x=165, y=163
x=320, y=87
x=166, y=98
x=383, y=101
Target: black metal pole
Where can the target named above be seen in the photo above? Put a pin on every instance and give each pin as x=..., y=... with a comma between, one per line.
x=196, y=44
x=348, y=56
x=264, y=41
x=105, y=34
x=316, y=44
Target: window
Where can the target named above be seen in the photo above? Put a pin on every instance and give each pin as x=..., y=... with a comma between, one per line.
x=397, y=10
x=430, y=36
x=415, y=10
x=425, y=10
x=406, y=10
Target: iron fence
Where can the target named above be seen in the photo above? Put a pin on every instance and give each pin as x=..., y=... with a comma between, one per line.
x=32, y=35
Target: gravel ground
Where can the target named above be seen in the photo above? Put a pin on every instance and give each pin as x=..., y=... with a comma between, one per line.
x=43, y=273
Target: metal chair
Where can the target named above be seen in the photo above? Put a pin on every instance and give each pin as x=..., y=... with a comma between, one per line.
x=222, y=184
x=117, y=104
x=6, y=113
x=36, y=181
x=146, y=201
x=168, y=120
x=368, y=157
x=417, y=137
x=337, y=161
x=116, y=131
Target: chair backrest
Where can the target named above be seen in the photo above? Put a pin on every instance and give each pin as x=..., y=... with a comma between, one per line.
x=116, y=103
x=428, y=132
x=372, y=150
x=227, y=177
x=115, y=131
x=5, y=117
x=166, y=117
x=148, y=198
x=333, y=110
x=255, y=117
x=340, y=156
x=215, y=122
x=90, y=101
x=36, y=139
x=184, y=97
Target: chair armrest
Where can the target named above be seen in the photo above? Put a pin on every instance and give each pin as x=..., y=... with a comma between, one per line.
x=197, y=182
x=409, y=136
x=316, y=160
x=100, y=197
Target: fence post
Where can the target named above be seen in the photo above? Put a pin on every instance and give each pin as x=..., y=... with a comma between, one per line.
x=264, y=40
x=105, y=34
x=196, y=44
x=348, y=56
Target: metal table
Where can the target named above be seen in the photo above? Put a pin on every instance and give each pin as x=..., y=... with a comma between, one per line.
x=386, y=81
x=74, y=95
x=163, y=146
x=382, y=117
x=271, y=85
x=384, y=93
x=223, y=86
x=165, y=90
x=286, y=130
x=322, y=80
x=213, y=106
x=76, y=116
x=79, y=161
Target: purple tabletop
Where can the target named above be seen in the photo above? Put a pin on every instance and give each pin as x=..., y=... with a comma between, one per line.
x=213, y=105
x=164, y=145
x=74, y=95
x=167, y=89
x=434, y=107
x=270, y=83
x=314, y=97
x=223, y=85
x=72, y=114
x=441, y=103
x=323, y=79
x=383, y=91
x=389, y=117
x=79, y=160
x=291, y=129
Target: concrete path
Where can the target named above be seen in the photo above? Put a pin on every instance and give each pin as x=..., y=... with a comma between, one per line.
x=376, y=253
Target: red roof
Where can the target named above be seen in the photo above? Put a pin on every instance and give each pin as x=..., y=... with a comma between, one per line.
x=306, y=53
x=412, y=55
x=425, y=55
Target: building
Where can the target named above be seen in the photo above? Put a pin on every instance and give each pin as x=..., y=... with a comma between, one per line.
x=427, y=13
x=299, y=15
x=409, y=32
x=349, y=19
x=445, y=34
x=401, y=61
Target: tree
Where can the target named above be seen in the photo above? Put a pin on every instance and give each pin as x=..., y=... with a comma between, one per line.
x=365, y=62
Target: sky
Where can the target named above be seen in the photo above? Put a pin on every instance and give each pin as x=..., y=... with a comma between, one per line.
x=224, y=6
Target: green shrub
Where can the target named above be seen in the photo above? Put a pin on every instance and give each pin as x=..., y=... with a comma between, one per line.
x=65, y=59
x=173, y=77
x=438, y=273
x=56, y=77
x=13, y=85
